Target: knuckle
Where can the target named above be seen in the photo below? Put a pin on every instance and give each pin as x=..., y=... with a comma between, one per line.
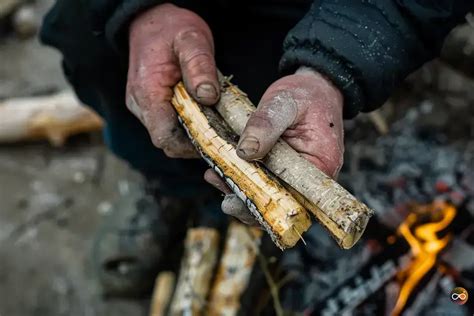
x=260, y=119
x=161, y=138
x=162, y=74
x=149, y=97
x=198, y=59
x=151, y=73
x=190, y=34
x=158, y=94
x=159, y=142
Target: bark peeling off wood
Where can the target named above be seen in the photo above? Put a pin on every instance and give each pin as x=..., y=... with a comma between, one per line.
x=235, y=268
x=197, y=267
x=272, y=205
x=340, y=212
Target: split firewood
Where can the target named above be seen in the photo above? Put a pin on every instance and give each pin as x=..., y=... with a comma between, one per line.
x=235, y=268
x=54, y=118
x=271, y=204
x=339, y=211
x=197, y=267
x=164, y=286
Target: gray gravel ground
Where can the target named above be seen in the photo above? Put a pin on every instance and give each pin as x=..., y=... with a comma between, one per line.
x=51, y=201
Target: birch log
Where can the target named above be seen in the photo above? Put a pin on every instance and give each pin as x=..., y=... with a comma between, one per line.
x=54, y=118
x=235, y=268
x=164, y=286
x=197, y=267
x=337, y=210
x=271, y=204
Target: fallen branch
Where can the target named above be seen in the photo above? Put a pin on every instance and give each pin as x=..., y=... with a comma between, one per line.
x=197, y=267
x=340, y=212
x=271, y=204
x=54, y=118
x=235, y=268
x=162, y=293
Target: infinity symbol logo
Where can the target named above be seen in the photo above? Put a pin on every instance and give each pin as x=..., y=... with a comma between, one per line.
x=459, y=295
x=456, y=296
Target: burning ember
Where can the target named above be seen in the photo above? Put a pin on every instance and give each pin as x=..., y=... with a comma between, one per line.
x=422, y=236
x=398, y=274
x=416, y=256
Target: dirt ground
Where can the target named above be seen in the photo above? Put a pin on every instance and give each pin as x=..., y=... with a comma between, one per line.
x=51, y=201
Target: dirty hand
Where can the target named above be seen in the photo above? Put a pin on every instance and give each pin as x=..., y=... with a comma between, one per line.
x=304, y=109
x=168, y=44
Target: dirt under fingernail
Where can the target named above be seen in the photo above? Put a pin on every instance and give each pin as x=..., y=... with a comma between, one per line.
x=249, y=146
x=206, y=91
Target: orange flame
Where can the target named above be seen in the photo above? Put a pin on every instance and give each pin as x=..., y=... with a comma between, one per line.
x=425, y=246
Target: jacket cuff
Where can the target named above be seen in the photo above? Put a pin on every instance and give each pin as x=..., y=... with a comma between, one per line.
x=367, y=49
x=328, y=64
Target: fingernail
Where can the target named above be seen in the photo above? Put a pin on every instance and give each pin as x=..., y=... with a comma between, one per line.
x=206, y=91
x=249, y=146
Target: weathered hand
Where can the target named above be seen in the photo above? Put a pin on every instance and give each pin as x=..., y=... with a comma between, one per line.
x=168, y=44
x=305, y=109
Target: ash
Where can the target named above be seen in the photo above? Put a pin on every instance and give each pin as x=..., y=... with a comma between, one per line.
x=427, y=155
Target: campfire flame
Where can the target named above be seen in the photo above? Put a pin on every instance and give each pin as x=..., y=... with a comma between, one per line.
x=425, y=245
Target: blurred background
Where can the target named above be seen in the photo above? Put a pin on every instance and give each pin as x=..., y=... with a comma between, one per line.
x=51, y=197
x=414, y=155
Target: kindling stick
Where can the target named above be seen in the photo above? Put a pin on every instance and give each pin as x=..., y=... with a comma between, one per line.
x=334, y=207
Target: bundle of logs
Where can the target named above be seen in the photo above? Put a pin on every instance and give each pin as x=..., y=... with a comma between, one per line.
x=214, y=273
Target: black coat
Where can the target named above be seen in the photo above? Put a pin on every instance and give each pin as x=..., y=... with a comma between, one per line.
x=366, y=47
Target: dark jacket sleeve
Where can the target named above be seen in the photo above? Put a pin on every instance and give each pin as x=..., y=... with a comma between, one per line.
x=367, y=47
x=92, y=37
x=86, y=32
x=112, y=17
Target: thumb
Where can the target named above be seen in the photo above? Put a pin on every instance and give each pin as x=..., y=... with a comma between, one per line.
x=276, y=112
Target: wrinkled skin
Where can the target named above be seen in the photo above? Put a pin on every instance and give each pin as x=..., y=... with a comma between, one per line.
x=168, y=44
x=305, y=109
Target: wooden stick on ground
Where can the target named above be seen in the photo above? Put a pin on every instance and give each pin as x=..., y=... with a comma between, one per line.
x=197, y=268
x=339, y=211
x=54, y=118
x=272, y=205
x=235, y=268
x=164, y=286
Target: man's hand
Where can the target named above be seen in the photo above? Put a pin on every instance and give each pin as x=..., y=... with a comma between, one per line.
x=305, y=109
x=168, y=44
